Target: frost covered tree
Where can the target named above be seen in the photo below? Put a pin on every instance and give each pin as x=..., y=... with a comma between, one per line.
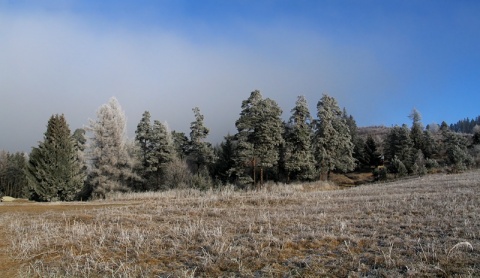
x=143, y=135
x=416, y=132
x=162, y=152
x=299, y=161
x=455, y=150
x=55, y=171
x=111, y=162
x=399, y=144
x=201, y=153
x=333, y=142
x=156, y=149
x=259, y=136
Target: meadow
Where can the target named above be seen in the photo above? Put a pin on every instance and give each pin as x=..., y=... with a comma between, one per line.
x=419, y=227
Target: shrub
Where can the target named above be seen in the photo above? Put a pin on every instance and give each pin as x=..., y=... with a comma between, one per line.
x=380, y=173
x=398, y=168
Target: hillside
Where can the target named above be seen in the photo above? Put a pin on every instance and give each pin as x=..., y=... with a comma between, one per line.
x=418, y=227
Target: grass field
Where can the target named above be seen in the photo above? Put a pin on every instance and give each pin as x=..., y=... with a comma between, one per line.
x=428, y=226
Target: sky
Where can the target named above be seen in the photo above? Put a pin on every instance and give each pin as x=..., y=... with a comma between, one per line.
x=378, y=59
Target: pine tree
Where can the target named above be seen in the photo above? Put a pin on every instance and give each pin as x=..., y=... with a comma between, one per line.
x=299, y=160
x=358, y=142
x=225, y=162
x=13, y=179
x=259, y=136
x=416, y=132
x=162, y=151
x=143, y=139
x=112, y=164
x=201, y=153
x=55, y=172
x=180, y=144
x=398, y=144
x=371, y=153
x=397, y=167
x=333, y=143
x=455, y=148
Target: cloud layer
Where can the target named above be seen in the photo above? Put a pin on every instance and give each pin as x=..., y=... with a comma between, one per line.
x=66, y=62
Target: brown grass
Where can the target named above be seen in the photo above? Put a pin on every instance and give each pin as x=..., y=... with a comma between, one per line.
x=427, y=226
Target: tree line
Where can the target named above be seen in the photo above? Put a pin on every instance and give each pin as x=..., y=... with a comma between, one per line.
x=99, y=160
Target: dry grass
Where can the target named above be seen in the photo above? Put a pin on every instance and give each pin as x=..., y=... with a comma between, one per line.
x=428, y=226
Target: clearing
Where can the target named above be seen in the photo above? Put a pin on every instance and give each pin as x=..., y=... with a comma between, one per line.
x=427, y=226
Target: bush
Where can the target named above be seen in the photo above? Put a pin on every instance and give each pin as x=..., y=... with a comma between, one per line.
x=380, y=173
x=177, y=174
x=398, y=168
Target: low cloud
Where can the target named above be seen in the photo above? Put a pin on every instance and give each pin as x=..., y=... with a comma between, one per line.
x=61, y=64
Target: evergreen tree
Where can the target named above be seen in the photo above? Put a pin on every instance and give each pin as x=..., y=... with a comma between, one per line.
x=143, y=138
x=397, y=167
x=455, y=148
x=398, y=144
x=225, y=162
x=419, y=167
x=358, y=143
x=298, y=154
x=371, y=152
x=429, y=148
x=333, y=142
x=201, y=153
x=13, y=180
x=111, y=163
x=181, y=144
x=259, y=136
x=55, y=172
x=162, y=151
x=416, y=132
x=476, y=135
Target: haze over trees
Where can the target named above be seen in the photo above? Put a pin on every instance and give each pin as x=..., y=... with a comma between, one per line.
x=100, y=160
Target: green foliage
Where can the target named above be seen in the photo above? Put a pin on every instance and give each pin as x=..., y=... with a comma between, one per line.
x=156, y=150
x=298, y=158
x=143, y=136
x=13, y=180
x=380, y=173
x=55, y=172
x=226, y=160
x=333, y=142
x=200, y=154
x=431, y=164
x=397, y=167
x=416, y=132
x=259, y=136
x=371, y=154
x=455, y=148
x=180, y=144
x=399, y=144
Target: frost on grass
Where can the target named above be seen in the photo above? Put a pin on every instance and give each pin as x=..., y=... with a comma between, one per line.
x=417, y=227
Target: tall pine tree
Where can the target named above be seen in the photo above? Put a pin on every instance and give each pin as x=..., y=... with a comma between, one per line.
x=259, y=137
x=201, y=152
x=299, y=161
x=55, y=172
x=333, y=142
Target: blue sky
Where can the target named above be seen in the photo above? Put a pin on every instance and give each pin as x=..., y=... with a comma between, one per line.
x=379, y=59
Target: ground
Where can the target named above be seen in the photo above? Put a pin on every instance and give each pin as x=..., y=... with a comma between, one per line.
x=426, y=226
